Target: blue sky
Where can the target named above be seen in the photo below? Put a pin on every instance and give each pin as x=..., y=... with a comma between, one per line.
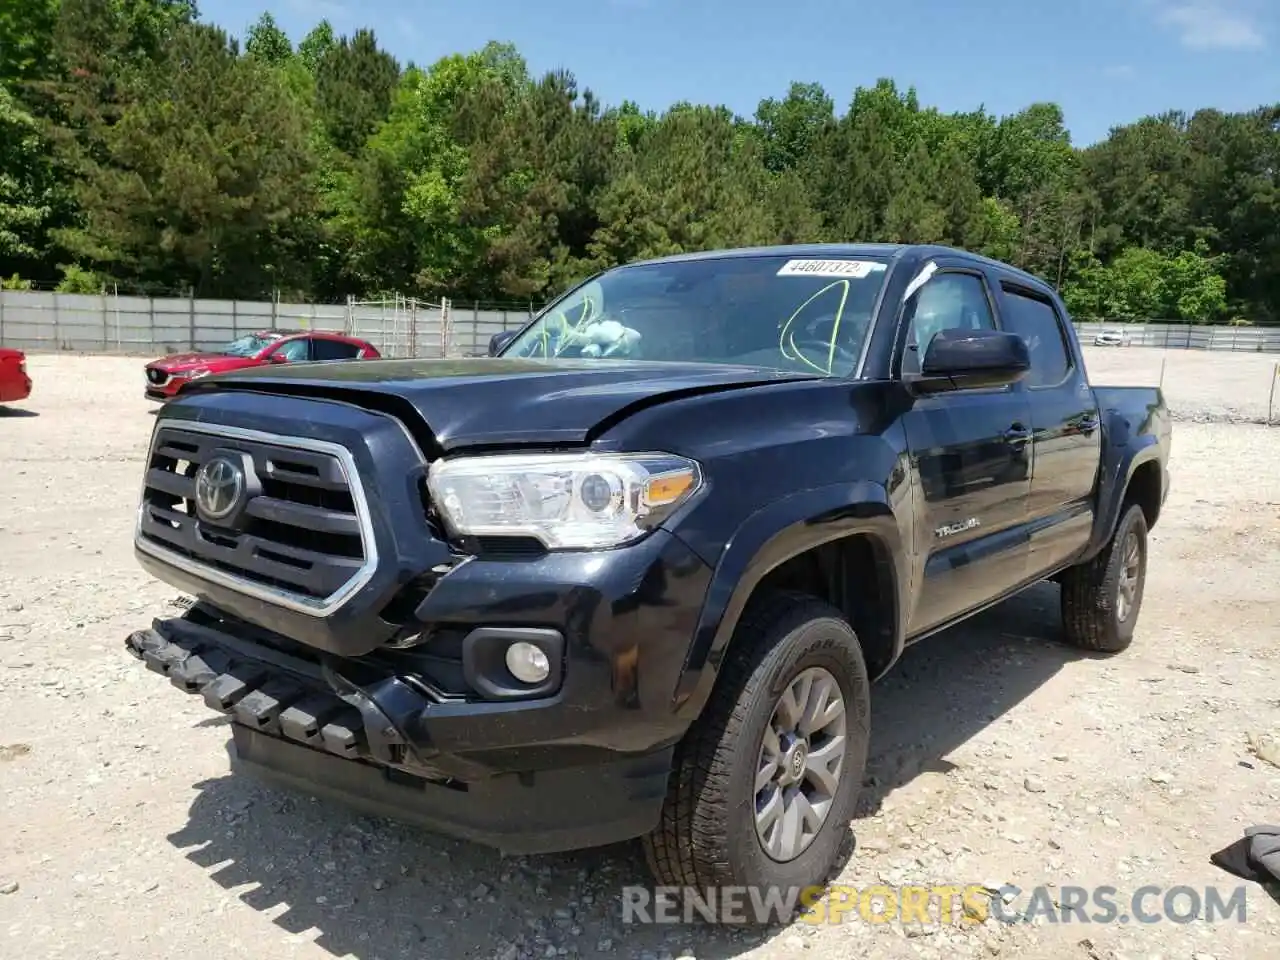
x=1105, y=61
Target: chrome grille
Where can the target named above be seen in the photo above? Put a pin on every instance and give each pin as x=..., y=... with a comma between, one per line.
x=300, y=535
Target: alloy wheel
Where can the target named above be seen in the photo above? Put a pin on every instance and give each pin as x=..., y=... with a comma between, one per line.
x=800, y=762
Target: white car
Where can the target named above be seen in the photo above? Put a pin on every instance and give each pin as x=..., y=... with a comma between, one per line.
x=1109, y=338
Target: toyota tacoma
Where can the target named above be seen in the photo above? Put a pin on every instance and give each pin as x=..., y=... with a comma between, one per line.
x=634, y=575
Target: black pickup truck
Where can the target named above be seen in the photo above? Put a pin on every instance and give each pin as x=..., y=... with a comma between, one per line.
x=634, y=575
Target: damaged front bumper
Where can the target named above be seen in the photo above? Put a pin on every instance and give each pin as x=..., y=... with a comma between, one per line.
x=363, y=736
x=361, y=654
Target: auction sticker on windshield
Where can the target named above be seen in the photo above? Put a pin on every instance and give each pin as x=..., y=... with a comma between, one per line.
x=857, y=269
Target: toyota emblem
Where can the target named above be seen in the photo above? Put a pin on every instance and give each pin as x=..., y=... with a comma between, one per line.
x=219, y=487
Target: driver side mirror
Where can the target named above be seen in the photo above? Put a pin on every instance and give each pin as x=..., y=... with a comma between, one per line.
x=500, y=340
x=277, y=357
x=960, y=359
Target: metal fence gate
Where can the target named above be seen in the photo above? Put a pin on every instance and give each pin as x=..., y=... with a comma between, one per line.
x=399, y=326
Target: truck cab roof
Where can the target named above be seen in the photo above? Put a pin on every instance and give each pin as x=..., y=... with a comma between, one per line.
x=891, y=252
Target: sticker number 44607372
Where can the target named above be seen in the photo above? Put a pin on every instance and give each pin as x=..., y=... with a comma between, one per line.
x=853, y=269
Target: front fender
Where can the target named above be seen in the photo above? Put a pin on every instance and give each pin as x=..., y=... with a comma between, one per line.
x=771, y=536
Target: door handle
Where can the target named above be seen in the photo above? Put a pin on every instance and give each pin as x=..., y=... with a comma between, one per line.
x=1017, y=435
x=1088, y=425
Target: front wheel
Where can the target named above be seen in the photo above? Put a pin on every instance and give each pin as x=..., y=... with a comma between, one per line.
x=766, y=782
x=1101, y=598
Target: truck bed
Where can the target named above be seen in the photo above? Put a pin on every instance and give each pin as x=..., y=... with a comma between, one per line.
x=1129, y=399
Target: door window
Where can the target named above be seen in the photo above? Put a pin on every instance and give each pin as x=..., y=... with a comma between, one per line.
x=949, y=301
x=323, y=349
x=1037, y=323
x=295, y=351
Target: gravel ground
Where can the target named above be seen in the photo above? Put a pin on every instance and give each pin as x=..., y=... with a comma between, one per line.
x=1199, y=385
x=999, y=755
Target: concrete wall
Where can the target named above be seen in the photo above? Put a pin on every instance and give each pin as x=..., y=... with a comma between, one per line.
x=42, y=322
x=470, y=330
x=1180, y=336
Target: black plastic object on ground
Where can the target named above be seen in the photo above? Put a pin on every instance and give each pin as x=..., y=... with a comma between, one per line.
x=1255, y=856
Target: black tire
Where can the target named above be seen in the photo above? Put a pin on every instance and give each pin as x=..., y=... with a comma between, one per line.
x=1093, y=614
x=707, y=838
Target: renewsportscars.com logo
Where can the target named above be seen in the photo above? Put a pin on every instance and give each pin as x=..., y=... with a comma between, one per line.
x=938, y=904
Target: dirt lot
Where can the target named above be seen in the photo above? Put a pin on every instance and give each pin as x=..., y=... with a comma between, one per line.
x=999, y=755
x=1199, y=385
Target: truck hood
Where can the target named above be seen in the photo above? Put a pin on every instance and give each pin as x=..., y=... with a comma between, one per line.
x=485, y=400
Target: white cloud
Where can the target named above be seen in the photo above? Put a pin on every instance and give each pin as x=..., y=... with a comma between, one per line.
x=1213, y=25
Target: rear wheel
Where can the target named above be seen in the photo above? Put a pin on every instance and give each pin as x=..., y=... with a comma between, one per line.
x=1101, y=599
x=765, y=783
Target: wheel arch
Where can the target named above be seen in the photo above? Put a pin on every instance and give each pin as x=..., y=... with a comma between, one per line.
x=841, y=543
x=1135, y=476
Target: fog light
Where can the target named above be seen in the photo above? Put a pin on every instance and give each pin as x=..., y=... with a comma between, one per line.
x=527, y=663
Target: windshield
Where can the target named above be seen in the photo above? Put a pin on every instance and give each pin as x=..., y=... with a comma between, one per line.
x=249, y=345
x=796, y=314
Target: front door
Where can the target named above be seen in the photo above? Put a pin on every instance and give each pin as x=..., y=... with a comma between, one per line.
x=295, y=350
x=971, y=466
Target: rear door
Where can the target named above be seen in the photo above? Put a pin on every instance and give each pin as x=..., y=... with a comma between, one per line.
x=971, y=463
x=1066, y=439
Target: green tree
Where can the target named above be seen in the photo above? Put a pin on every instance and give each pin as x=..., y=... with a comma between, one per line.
x=1143, y=284
x=911, y=215
x=315, y=46
x=354, y=84
x=790, y=128
x=26, y=188
x=205, y=174
x=1195, y=290
x=401, y=208
x=266, y=41
x=26, y=41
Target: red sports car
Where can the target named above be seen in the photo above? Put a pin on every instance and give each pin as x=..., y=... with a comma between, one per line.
x=166, y=376
x=15, y=384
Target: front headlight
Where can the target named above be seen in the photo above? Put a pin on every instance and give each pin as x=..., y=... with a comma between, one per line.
x=568, y=501
x=197, y=374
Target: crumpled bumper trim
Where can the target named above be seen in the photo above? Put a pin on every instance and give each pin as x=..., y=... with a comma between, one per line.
x=276, y=694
